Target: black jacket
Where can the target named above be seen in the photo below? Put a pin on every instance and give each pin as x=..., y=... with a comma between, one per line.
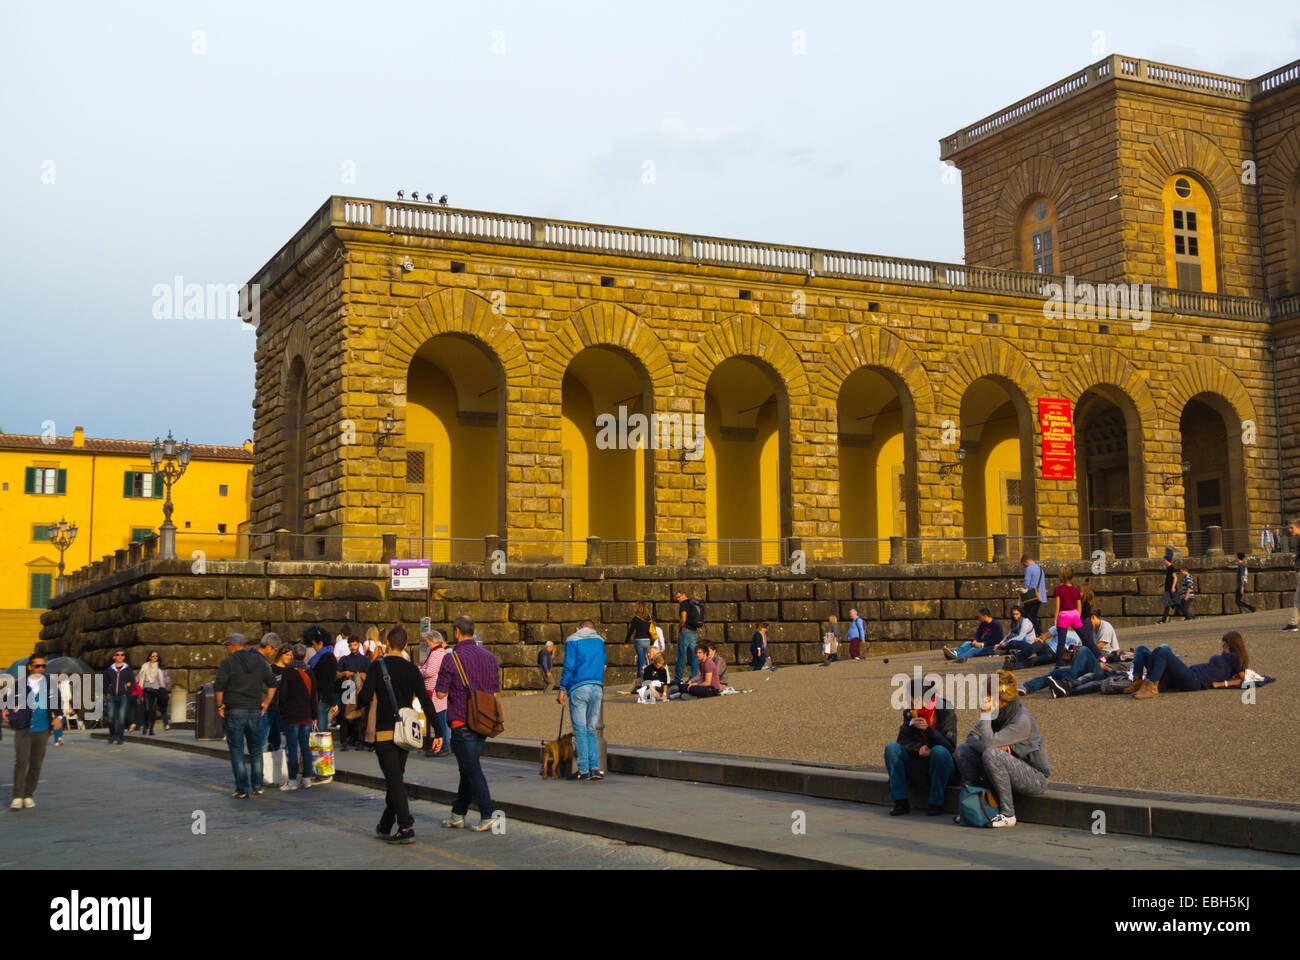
x=408, y=684
x=943, y=733
x=327, y=674
x=118, y=683
x=297, y=697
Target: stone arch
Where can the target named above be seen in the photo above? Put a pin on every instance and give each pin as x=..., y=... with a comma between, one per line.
x=1040, y=175
x=1206, y=375
x=742, y=335
x=1102, y=366
x=607, y=324
x=989, y=357
x=1186, y=150
x=454, y=310
x=296, y=344
x=1279, y=185
x=868, y=346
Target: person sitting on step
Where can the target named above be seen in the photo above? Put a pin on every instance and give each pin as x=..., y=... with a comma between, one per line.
x=922, y=754
x=1005, y=750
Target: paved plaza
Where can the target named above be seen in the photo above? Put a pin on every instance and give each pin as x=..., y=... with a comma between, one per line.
x=1195, y=743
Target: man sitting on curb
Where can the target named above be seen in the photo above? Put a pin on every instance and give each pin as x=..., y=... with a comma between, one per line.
x=988, y=634
x=922, y=755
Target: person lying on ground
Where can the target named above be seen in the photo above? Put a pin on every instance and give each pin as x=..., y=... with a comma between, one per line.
x=1085, y=662
x=922, y=754
x=1151, y=667
x=1005, y=752
x=1043, y=651
x=988, y=634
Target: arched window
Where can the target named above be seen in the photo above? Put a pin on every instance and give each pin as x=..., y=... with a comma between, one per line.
x=1037, y=236
x=1189, y=235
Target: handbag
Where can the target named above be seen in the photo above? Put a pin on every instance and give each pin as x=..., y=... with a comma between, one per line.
x=482, y=710
x=408, y=723
x=977, y=807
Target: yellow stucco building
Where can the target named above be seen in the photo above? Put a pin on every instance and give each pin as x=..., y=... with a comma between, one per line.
x=109, y=490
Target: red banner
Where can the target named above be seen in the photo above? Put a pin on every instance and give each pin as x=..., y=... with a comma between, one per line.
x=1057, y=426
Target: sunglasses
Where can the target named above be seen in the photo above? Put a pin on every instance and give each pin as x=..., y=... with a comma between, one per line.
x=35, y=666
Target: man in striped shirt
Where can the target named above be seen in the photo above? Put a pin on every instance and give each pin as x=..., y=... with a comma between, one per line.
x=470, y=662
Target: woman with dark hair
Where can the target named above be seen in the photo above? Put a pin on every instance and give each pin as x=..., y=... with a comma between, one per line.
x=154, y=682
x=1227, y=669
x=640, y=632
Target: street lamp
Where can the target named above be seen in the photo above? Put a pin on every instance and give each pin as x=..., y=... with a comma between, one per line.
x=170, y=460
x=1181, y=477
x=947, y=468
x=61, y=535
x=386, y=428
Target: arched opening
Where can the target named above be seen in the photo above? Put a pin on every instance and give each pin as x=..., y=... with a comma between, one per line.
x=746, y=457
x=1108, y=443
x=998, y=489
x=1214, y=492
x=455, y=449
x=294, y=430
x=1038, y=236
x=877, y=464
x=606, y=423
x=1190, y=262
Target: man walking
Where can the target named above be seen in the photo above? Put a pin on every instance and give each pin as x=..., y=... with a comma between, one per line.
x=857, y=632
x=118, y=681
x=1033, y=590
x=1243, y=584
x=32, y=721
x=758, y=647
x=471, y=667
x=546, y=663
x=1293, y=531
x=690, y=617
x=244, y=688
x=582, y=684
x=395, y=680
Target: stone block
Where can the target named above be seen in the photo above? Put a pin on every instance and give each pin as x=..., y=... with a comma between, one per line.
x=911, y=609
x=550, y=590
x=815, y=611
x=569, y=615
x=1144, y=607
x=871, y=590
x=352, y=590
x=867, y=609
x=593, y=591
x=887, y=630
x=320, y=611
x=961, y=609
x=988, y=589
x=730, y=591
x=503, y=591
x=933, y=630
x=249, y=588
x=182, y=588
x=481, y=612
x=528, y=612
x=833, y=590
x=290, y=589
x=756, y=612
x=921, y=589
x=457, y=591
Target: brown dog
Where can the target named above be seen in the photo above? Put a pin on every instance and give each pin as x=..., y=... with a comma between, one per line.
x=557, y=757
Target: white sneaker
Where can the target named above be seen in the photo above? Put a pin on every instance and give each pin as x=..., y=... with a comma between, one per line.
x=17, y=804
x=1002, y=820
x=28, y=802
x=289, y=785
x=454, y=822
x=303, y=783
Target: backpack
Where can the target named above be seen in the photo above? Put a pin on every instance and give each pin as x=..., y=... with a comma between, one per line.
x=977, y=807
x=697, y=614
x=1115, y=683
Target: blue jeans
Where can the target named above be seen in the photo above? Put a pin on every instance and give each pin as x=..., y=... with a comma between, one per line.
x=298, y=740
x=1163, y=663
x=904, y=767
x=246, y=728
x=642, y=654
x=968, y=649
x=584, y=711
x=274, y=724
x=1085, y=661
x=468, y=747
x=323, y=716
x=686, y=651
x=115, y=712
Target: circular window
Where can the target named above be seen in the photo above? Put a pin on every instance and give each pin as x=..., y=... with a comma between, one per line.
x=1040, y=211
x=1182, y=187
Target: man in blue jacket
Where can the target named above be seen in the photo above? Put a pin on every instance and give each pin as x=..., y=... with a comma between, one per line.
x=582, y=684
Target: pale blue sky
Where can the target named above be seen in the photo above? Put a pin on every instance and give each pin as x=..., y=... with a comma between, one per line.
x=167, y=161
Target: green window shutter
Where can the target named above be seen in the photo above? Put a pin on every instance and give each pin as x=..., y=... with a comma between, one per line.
x=42, y=584
x=128, y=483
x=62, y=482
x=157, y=486
x=29, y=480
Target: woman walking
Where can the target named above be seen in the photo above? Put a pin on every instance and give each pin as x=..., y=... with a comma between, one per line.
x=1067, y=597
x=430, y=669
x=154, y=683
x=831, y=640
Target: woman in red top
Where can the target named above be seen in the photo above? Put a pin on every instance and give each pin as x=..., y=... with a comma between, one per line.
x=1067, y=611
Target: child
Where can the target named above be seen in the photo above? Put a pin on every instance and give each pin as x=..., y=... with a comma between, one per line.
x=1186, y=592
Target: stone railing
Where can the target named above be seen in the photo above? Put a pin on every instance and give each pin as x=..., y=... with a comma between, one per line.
x=406, y=217
x=1126, y=68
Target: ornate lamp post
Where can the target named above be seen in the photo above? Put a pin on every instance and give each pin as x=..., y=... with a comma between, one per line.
x=386, y=428
x=169, y=459
x=61, y=535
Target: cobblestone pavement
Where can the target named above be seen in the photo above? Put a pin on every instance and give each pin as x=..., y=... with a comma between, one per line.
x=98, y=807
x=1196, y=743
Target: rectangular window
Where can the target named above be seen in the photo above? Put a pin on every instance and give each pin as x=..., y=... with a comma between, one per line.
x=1042, y=247
x=141, y=534
x=222, y=490
x=42, y=590
x=221, y=528
x=41, y=532
x=45, y=481
x=1187, y=249
x=136, y=483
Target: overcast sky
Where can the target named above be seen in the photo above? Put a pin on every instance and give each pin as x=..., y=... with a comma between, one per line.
x=146, y=141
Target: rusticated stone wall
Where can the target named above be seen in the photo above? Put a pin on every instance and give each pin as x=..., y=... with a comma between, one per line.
x=163, y=605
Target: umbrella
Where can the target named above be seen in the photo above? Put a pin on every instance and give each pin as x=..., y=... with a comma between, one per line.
x=68, y=665
x=14, y=667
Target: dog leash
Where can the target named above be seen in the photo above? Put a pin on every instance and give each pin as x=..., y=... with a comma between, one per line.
x=561, y=730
